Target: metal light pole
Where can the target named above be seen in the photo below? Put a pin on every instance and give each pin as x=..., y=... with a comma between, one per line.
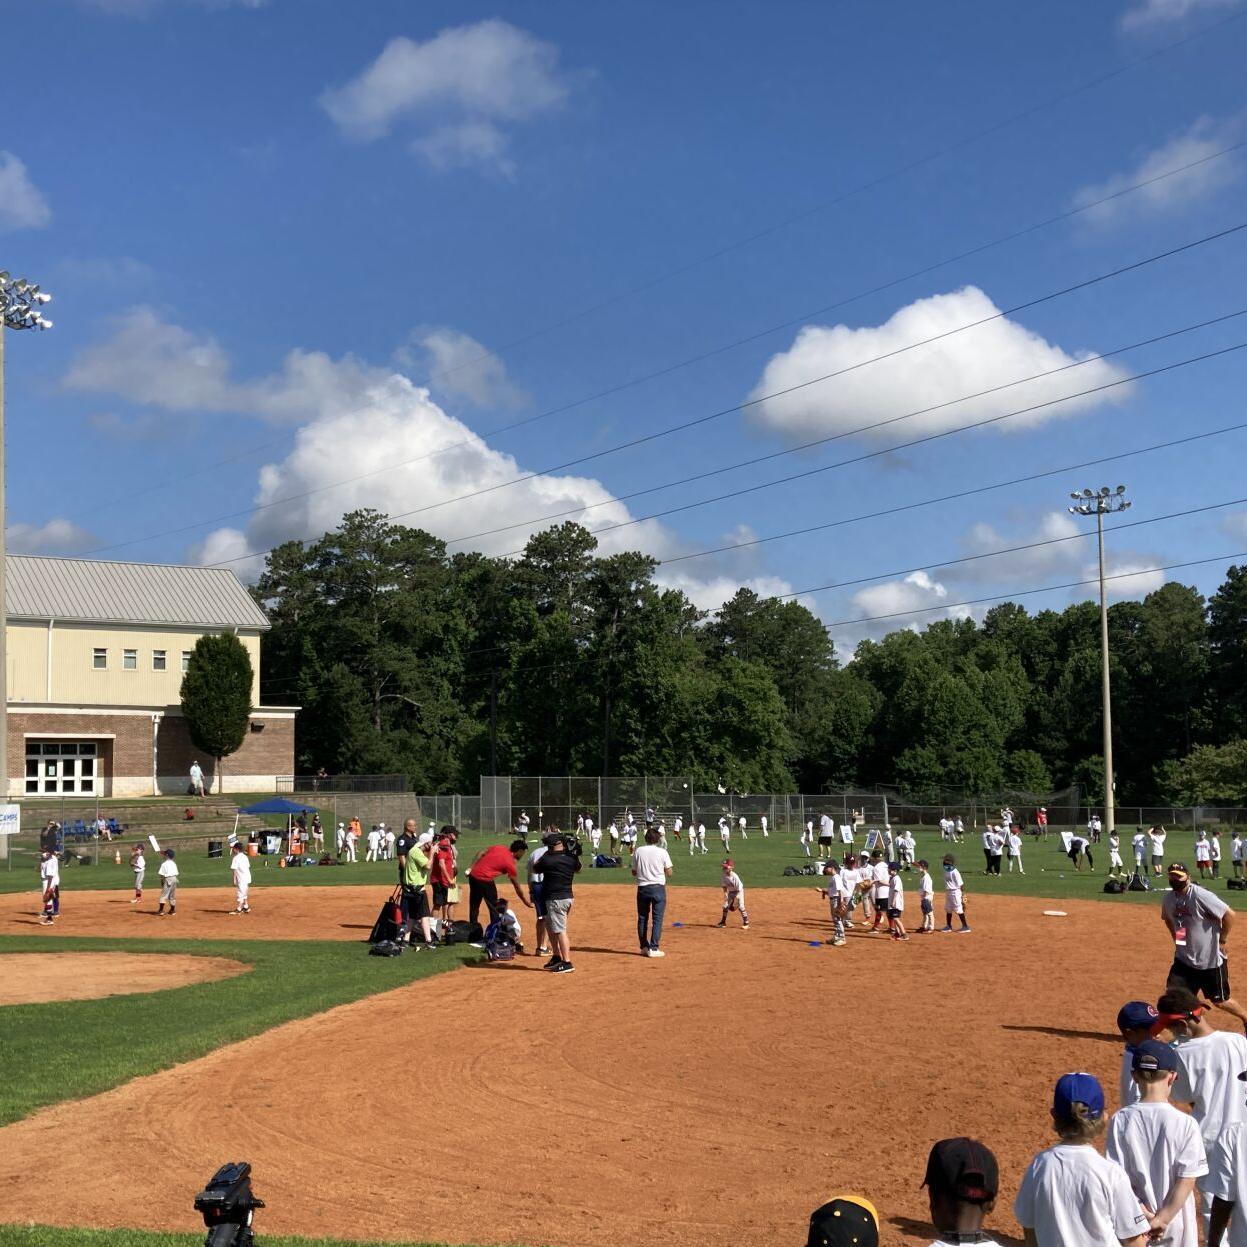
x=1100, y=503
x=20, y=304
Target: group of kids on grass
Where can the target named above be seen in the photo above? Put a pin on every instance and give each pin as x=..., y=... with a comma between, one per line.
x=1156, y=1156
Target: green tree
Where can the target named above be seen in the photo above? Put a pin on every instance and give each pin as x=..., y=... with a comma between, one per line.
x=1209, y=774
x=216, y=695
x=1227, y=635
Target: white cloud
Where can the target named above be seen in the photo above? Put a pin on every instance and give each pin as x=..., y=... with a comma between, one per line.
x=1172, y=194
x=142, y=8
x=1024, y=567
x=57, y=536
x=1128, y=575
x=1156, y=12
x=459, y=366
x=969, y=362
x=915, y=592
x=22, y=204
x=457, y=87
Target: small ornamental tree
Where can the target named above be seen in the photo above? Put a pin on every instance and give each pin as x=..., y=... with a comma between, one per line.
x=216, y=695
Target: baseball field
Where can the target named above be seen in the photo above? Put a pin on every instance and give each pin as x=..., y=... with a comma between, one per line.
x=711, y=1098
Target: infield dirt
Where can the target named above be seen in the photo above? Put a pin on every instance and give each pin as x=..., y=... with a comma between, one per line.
x=708, y=1099
x=30, y=978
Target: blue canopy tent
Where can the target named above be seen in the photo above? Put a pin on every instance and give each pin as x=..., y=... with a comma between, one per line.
x=275, y=805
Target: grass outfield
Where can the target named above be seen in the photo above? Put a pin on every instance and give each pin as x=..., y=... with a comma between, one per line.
x=76, y=1048
x=759, y=862
x=53, y=1236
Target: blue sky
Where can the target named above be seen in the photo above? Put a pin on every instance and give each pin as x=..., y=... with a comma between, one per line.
x=301, y=248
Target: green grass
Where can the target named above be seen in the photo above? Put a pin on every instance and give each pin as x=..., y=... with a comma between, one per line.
x=53, y=1236
x=760, y=863
x=75, y=1048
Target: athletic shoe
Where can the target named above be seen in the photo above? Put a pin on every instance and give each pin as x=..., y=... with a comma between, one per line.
x=235, y=911
x=553, y=963
x=135, y=901
x=744, y=926
x=246, y=909
x=47, y=922
x=721, y=924
x=837, y=943
x=964, y=931
x=563, y=967
x=430, y=947
x=946, y=930
x=654, y=952
x=537, y=952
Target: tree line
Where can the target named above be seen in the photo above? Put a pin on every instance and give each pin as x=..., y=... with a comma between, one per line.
x=442, y=667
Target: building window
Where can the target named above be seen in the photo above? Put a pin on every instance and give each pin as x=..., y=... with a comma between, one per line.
x=186, y=660
x=61, y=766
x=99, y=659
x=129, y=660
x=158, y=660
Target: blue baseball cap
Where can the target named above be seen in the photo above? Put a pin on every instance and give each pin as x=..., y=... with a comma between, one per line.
x=1151, y=1054
x=1079, y=1088
x=1137, y=1015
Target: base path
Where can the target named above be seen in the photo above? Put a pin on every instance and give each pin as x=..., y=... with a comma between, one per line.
x=31, y=978
x=709, y=1099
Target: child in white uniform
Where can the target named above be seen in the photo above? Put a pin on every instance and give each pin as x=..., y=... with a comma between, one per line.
x=138, y=864
x=926, y=898
x=168, y=873
x=50, y=886
x=954, y=896
x=733, y=895
x=240, y=870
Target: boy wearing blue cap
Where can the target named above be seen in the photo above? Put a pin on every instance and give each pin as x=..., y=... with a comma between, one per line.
x=1160, y=1148
x=1070, y=1193
x=1136, y=1020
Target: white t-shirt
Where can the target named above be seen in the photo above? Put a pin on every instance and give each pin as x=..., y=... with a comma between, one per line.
x=1214, y=848
x=1203, y=851
x=50, y=872
x=926, y=889
x=1158, y=843
x=1236, y=849
x=1138, y=842
x=650, y=864
x=168, y=869
x=896, y=893
x=879, y=872
x=989, y=840
x=1127, y=1089
x=825, y=825
x=732, y=883
x=1208, y=1070
x=1156, y=1144
x=1227, y=1179
x=1015, y=843
x=240, y=868
x=953, y=882
x=1071, y=1195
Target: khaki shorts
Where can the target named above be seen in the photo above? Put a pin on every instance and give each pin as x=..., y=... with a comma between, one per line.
x=556, y=915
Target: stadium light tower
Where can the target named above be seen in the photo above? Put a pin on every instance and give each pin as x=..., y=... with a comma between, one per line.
x=21, y=307
x=1100, y=503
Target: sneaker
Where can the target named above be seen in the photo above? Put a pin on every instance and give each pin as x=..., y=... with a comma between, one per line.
x=563, y=967
x=964, y=931
x=135, y=901
x=744, y=926
x=537, y=952
x=654, y=952
x=721, y=924
x=430, y=946
x=838, y=943
x=47, y=922
x=945, y=930
x=235, y=911
x=553, y=963
x=246, y=909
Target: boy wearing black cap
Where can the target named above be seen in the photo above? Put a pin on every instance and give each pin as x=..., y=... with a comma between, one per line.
x=846, y=1221
x=962, y=1180
x=1159, y=1147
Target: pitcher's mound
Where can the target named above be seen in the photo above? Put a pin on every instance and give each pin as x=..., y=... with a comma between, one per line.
x=32, y=978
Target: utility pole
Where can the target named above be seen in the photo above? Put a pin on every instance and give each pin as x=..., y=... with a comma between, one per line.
x=20, y=302
x=1100, y=503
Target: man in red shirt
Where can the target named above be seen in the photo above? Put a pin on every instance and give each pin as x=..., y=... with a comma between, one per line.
x=498, y=859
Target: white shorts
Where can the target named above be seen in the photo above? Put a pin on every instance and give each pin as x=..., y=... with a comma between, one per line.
x=953, y=903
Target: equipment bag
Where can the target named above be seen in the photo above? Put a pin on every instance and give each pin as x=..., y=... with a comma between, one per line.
x=1114, y=886
x=605, y=861
x=389, y=923
x=386, y=948
x=1138, y=883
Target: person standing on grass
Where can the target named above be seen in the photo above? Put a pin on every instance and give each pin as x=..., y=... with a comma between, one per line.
x=826, y=836
x=240, y=872
x=443, y=874
x=1014, y=845
x=138, y=864
x=652, y=867
x=1199, y=922
x=414, y=864
x=558, y=869
x=1080, y=847
x=1070, y=1195
x=318, y=834
x=1159, y=1147
x=498, y=859
x=168, y=873
x=1156, y=838
x=1203, y=854
x=50, y=886
x=1215, y=849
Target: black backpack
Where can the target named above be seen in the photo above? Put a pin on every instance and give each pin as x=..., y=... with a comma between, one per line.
x=386, y=948
x=1115, y=885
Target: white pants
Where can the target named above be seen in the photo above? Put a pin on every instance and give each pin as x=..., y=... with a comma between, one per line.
x=952, y=902
x=240, y=894
x=765, y=834
x=350, y=849
x=1114, y=861
x=371, y=855
x=595, y=838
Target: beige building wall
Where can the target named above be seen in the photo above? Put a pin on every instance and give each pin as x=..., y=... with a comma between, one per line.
x=56, y=664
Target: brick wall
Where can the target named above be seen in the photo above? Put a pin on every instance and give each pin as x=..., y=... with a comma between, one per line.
x=269, y=751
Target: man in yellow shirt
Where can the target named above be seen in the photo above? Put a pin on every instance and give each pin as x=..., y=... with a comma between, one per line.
x=415, y=857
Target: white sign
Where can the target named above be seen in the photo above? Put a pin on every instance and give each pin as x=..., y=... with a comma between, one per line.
x=10, y=820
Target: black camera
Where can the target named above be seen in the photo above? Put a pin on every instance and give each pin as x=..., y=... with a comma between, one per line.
x=572, y=845
x=227, y=1205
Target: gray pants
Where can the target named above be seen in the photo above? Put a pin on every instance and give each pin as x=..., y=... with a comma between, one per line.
x=169, y=892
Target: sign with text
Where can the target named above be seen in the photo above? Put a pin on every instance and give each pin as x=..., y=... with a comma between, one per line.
x=10, y=820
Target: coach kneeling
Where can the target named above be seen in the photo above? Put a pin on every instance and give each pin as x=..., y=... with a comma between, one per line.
x=652, y=866
x=558, y=868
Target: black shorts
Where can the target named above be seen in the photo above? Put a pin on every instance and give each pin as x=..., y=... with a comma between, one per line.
x=416, y=904
x=1214, y=985
x=440, y=893
x=895, y=913
x=826, y=839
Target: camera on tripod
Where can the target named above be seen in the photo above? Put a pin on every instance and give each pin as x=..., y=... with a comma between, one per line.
x=227, y=1205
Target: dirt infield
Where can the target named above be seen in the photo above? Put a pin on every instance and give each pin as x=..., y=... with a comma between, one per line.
x=31, y=978
x=705, y=1100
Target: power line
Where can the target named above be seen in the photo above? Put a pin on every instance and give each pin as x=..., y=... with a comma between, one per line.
x=833, y=437
x=700, y=420
x=882, y=179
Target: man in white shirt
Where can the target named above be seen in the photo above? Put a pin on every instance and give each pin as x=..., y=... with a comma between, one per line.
x=240, y=870
x=374, y=841
x=807, y=836
x=962, y=1180
x=1160, y=1148
x=652, y=867
x=1070, y=1196
x=1227, y=1184
x=741, y=824
x=725, y=832
x=826, y=836
x=50, y=886
x=197, y=780
x=762, y=822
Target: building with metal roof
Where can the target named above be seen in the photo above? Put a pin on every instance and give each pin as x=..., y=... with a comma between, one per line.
x=95, y=657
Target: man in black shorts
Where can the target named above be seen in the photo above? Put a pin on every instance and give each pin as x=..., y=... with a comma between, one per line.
x=1199, y=922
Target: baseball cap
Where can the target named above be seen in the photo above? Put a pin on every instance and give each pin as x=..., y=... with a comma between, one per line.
x=729, y=864
x=1178, y=868
x=425, y=837
x=846, y=1221
x=1151, y=1054
x=964, y=1168
x=1136, y=1015
x=1078, y=1088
